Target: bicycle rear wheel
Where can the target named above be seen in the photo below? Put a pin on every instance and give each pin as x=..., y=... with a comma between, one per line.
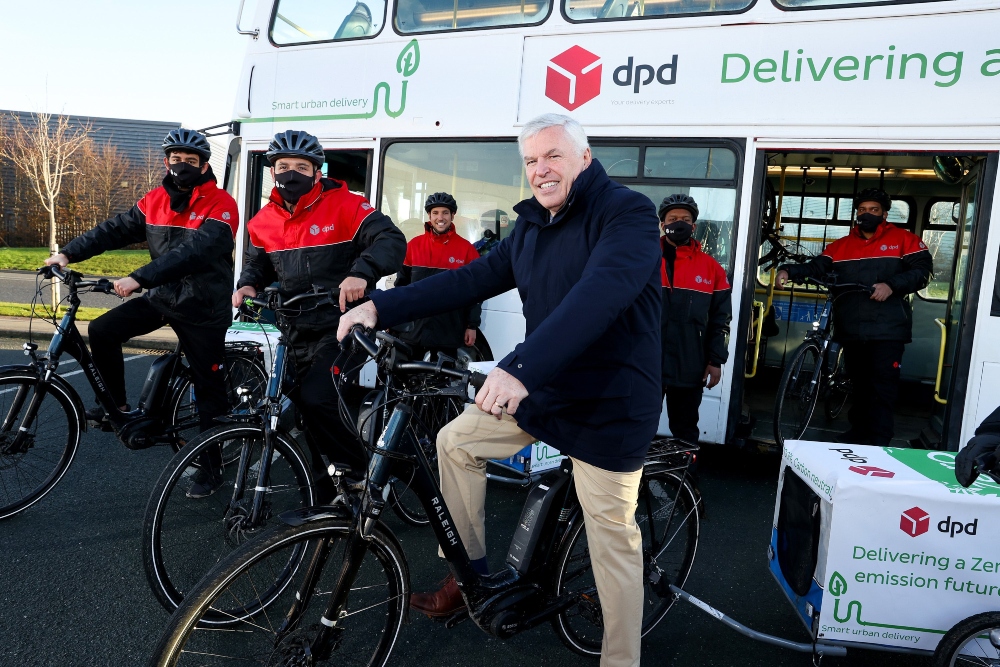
x=29, y=471
x=243, y=369
x=378, y=597
x=184, y=537
x=667, y=515
x=797, y=394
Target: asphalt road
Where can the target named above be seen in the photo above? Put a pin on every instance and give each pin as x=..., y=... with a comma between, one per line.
x=20, y=287
x=72, y=589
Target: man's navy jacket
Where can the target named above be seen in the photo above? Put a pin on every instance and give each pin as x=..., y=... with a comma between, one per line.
x=589, y=279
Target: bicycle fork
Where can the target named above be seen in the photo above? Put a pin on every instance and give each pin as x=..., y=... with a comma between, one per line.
x=22, y=441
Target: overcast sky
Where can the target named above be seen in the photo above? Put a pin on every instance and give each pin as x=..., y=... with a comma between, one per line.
x=174, y=60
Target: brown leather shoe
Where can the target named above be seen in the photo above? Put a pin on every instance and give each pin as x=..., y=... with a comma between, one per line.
x=445, y=602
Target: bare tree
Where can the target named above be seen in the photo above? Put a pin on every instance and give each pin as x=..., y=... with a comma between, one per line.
x=43, y=150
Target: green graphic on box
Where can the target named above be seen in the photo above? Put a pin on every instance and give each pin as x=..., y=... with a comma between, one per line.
x=940, y=467
x=253, y=327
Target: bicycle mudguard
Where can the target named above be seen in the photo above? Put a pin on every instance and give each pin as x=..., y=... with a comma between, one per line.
x=304, y=515
x=29, y=369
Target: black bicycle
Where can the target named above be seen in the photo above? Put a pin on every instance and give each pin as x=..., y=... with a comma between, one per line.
x=43, y=415
x=265, y=471
x=815, y=372
x=332, y=583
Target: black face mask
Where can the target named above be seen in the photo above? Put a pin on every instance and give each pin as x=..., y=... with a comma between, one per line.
x=869, y=222
x=184, y=175
x=678, y=233
x=292, y=185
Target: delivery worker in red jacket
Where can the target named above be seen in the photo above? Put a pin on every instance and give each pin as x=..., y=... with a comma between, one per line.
x=314, y=231
x=697, y=309
x=438, y=249
x=189, y=225
x=874, y=329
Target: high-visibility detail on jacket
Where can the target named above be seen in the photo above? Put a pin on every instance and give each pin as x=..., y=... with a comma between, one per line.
x=892, y=256
x=332, y=234
x=697, y=310
x=427, y=255
x=190, y=274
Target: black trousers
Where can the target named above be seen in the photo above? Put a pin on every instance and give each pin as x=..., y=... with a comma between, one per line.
x=874, y=368
x=316, y=399
x=682, y=411
x=204, y=347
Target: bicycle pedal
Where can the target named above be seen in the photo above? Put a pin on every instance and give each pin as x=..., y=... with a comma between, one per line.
x=453, y=620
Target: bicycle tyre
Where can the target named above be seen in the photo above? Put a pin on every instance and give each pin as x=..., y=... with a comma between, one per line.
x=27, y=477
x=186, y=640
x=797, y=397
x=968, y=637
x=436, y=412
x=212, y=525
x=840, y=388
x=242, y=369
x=580, y=627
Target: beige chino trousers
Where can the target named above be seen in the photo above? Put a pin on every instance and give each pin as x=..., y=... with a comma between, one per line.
x=608, y=500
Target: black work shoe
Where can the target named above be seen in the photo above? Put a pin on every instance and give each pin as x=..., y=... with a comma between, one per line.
x=96, y=414
x=204, y=483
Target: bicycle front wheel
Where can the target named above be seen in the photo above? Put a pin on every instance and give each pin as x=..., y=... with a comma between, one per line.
x=973, y=642
x=30, y=468
x=798, y=394
x=667, y=515
x=839, y=389
x=284, y=630
x=183, y=537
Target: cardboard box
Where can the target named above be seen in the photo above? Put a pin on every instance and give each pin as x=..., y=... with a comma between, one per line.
x=899, y=552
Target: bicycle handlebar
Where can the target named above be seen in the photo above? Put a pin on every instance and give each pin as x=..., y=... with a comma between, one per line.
x=272, y=299
x=73, y=279
x=371, y=348
x=836, y=285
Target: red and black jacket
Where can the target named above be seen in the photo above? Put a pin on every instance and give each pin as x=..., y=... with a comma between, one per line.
x=190, y=276
x=697, y=309
x=332, y=234
x=892, y=256
x=427, y=255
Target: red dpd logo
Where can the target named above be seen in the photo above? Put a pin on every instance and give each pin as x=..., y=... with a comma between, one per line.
x=872, y=471
x=573, y=78
x=915, y=521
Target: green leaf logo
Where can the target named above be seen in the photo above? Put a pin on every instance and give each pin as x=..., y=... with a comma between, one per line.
x=409, y=59
x=838, y=585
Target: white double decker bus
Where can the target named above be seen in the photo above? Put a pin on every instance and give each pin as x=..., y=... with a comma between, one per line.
x=770, y=113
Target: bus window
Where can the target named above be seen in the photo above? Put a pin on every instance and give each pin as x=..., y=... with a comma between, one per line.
x=609, y=10
x=707, y=173
x=486, y=179
x=414, y=16
x=309, y=21
x=939, y=237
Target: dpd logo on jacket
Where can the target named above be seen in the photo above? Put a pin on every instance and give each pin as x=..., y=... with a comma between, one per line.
x=314, y=230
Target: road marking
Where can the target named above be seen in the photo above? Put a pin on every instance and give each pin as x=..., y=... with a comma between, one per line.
x=132, y=358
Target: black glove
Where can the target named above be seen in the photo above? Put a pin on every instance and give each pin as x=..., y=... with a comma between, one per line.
x=967, y=466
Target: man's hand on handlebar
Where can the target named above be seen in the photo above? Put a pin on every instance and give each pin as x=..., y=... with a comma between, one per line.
x=366, y=315
x=501, y=391
x=59, y=258
x=125, y=286
x=880, y=292
x=781, y=277
x=242, y=293
x=352, y=289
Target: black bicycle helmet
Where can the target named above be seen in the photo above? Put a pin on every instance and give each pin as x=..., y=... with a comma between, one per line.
x=441, y=199
x=188, y=141
x=295, y=143
x=873, y=194
x=678, y=201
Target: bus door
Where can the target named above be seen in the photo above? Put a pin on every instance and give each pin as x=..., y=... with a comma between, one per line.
x=806, y=201
x=967, y=383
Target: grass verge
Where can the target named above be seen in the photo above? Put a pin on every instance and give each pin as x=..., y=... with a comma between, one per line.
x=84, y=314
x=114, y=263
